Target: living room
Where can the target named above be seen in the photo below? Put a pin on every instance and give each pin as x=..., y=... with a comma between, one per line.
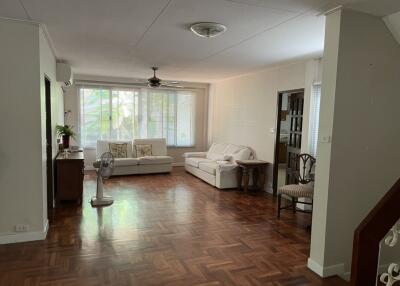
x=164, y=142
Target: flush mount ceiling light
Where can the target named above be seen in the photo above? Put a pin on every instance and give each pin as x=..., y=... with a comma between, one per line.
x=207, y=29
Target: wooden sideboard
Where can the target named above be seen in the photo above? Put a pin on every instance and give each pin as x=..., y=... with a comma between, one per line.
x=69, y=177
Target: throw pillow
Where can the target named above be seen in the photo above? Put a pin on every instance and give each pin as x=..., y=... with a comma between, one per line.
x=118, y=150
x=143, y=150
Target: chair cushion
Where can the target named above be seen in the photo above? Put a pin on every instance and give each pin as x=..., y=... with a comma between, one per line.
x=297, y=191
x=194, y=162
x=126, y=161
x=155, y=160
x=209, y=167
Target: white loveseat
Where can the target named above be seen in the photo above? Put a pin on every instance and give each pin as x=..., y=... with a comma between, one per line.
x=217, y=166
x=159, y=162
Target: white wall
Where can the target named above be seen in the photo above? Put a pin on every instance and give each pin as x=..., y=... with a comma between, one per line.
x=48, y=69
x=244, y=109
x=359, y=109
x=22, y=173
x=71, y=103
x=20, y=123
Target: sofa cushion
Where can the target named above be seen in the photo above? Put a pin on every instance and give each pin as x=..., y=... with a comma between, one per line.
x=216, y=151
x=209, y=167
x=224, y=166
x=118, y=162
x=231, y=148
x=194, y=162
x=155, y=160
x=158, y=145
x=103, y=146
x=242, y=154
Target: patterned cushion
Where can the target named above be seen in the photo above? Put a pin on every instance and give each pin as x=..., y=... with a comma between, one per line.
x=119, y=150
x=297, y=191
x=143, y=150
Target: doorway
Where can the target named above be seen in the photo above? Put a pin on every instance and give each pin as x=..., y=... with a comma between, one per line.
x=289, y=127
x=49, y=146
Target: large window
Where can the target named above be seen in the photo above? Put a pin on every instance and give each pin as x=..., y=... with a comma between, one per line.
x=123, y=114
x=314, y=117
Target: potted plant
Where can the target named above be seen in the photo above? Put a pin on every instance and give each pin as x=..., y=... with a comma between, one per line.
x=66, y=132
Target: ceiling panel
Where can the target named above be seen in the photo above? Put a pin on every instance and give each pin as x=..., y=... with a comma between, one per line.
x=96, y=34
x=295, y=6
x=126, y=37
x=298, y=39
x=12, y=9
x=171, y=42
x=378, y=8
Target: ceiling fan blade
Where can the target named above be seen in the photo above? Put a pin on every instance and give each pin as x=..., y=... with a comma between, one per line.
x=172, y=82
x=175, y=86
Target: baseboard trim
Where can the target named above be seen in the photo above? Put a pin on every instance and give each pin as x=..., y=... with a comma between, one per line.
x=325, y=271
x=25, y=236
x=91, y=168
x=178, y=164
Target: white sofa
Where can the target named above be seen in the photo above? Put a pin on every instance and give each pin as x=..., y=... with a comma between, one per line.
x=217, y=166
x=159, y=162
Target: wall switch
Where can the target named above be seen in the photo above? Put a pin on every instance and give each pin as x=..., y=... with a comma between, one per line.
x=21, y=227
x=326, y=139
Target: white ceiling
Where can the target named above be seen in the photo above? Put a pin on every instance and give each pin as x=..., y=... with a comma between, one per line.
x=123, y=38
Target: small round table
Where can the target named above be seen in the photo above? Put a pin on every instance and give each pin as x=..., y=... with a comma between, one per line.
x=258, y=168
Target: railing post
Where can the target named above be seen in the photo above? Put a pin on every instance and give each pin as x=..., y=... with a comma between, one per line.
x=368, y=235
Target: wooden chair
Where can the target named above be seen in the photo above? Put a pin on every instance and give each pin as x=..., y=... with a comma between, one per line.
x=301, y=190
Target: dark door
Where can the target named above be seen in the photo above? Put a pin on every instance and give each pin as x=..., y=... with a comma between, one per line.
x=295, y=116
x=49, y=148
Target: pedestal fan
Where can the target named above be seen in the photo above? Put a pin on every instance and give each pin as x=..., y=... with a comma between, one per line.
x=105, y=168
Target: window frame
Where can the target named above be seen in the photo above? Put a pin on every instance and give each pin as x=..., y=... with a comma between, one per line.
x=143, y=92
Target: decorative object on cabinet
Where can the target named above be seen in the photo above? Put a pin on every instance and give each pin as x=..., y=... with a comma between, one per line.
x=66, y=132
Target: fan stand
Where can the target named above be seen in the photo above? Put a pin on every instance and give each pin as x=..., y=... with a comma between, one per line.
x=100, y=200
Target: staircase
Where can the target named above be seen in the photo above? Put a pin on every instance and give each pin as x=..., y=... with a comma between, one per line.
x=381, y=223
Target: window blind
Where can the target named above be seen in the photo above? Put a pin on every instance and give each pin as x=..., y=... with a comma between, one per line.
x=314, y=117
x=127, y=113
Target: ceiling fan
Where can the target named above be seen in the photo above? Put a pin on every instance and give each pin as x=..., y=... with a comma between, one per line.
x=157, y=82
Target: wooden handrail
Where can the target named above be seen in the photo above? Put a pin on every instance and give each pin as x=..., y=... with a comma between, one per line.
x=369, y=234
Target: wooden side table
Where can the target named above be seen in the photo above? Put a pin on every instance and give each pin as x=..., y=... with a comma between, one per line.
x=258, y=168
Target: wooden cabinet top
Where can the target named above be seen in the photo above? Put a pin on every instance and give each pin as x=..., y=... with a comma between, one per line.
x=70, y=156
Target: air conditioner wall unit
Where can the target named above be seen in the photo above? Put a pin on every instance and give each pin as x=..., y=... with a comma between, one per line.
x=64, y=73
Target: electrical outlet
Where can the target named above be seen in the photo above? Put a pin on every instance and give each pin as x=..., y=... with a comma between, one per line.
x=21, y=227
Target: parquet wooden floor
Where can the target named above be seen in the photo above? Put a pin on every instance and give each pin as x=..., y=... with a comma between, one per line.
x=166, y=230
